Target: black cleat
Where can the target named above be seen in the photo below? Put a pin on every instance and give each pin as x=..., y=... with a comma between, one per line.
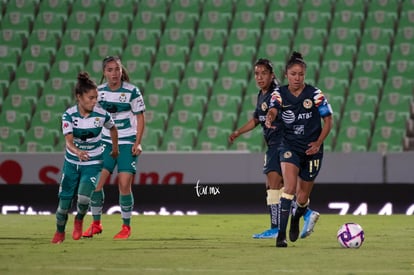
x=281, y=240
x=294, y=229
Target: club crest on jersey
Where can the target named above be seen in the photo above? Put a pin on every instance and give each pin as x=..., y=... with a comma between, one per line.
x=97, y=121
x=307, y=103
x=287, y=155
x=264, y=106
x=122, y=97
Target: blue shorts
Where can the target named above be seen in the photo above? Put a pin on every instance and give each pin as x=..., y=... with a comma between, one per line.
x=126, y=161
x=271, y=160
x=309, y=166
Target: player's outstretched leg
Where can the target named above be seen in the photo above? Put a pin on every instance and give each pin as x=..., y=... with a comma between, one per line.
x=310, y=217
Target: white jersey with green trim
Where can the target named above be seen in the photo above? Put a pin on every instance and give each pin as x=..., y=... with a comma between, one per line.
x=123, y=104
x=86, y=132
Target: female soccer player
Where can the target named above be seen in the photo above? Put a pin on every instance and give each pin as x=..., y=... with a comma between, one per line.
x=267, y=82
x=302, y=108
x=82, y=125
x=125, y=102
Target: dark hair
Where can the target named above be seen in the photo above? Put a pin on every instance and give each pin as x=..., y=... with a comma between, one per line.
x=268, y=64
x=124, y=76
x=84, y=84
x=295, y=58
x=265, y=62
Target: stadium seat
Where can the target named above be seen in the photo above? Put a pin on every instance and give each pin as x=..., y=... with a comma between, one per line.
x=10, y=139
x=204, y=71
x=387, y=138
x=271, y=49
x=158, y=95
x=47, y=118
x=213, y=138
x=186, y=22
x=251, y=18
x=283, y=14
x=29, y=90
x=196, y=86
x=83, y=21
x=213, y=19
x=60, y=88
x=117, y=20
x=352, y=139
x=238, y=71
x=169, y=69
x=185, y=118
x=15, y=119
x=11, y=45
x=191, y=102
x=220, y=118
x=191, y=8
x=150, y=22
x=151, y=139
x=251, y=141
x=156, y=119
x=50, y=21
x=19, y=21
x=230, y=85
x=208, y=53
x=178, y=138
x=41, y=139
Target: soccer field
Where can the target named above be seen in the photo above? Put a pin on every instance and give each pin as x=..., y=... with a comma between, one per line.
x=204, y=244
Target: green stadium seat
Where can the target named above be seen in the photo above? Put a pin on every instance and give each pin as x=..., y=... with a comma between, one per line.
x=10, y=139
x=91, y=7
x=158, y=95
x=369, y=71
x=150, y=22
x=258, y=6
x=246, y=36
x=185, y=118
x=251, y=141
x=83, y=21
x=239, y=52
x=22, y=103
x=59, y=8
x=40, y=139
x=214, y=19
x=108, y=42
x=18, y=21
x=191, y=102
x=40, y=56
x=234, y=71
x=204, y=71
x=28, y=89
x=176, y=36
x=352, y=139
x=387, y=138
x=398, y=84
x=339, y=52
x=213, y=138
x=252, y=18
x=196, y=86
x=11, y=45
x=66, y=69
x=224, y=101
x=116, y=20
x=366, y=99
x=173, y=52
x=169, y=69
x=178, y=138
x=50, y=21
x=47, y=118
x=186, y=22
x=15, y=119
x=223, y=7
x=358, y=117
x=377, y=52
x=230, y=85
x=402, y=68
x=151, y=139
x=61, y=88
x=156, y=7
x=191, y=8
x=207, y=53
x=283, y=14
x=271, y=48
x=53, y=103
x=156, y=119
x=221, y=118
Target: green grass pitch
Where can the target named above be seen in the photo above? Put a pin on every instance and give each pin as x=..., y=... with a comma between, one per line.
x=204, y=244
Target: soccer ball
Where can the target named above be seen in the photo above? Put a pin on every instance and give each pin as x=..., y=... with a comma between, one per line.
x=350, y=235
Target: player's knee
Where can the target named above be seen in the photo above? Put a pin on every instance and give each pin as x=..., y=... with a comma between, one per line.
x=82, y=199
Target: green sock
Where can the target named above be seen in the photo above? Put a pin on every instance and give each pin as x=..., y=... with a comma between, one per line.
x=97, y=201
x=127, y=204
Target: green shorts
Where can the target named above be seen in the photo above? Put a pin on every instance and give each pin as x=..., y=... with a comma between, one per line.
x=78, y=178
x=126, y=161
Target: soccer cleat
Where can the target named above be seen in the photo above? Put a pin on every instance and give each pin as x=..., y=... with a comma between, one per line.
x=58, y=238
x=77, y=229
x=310, y=217
x=294, y=229
x=267, y=234
x=124, y=233
x=281, y=241
x=94, y=228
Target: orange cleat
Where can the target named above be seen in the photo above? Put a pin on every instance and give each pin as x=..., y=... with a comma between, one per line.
x=124, y=233
x=58, y=238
